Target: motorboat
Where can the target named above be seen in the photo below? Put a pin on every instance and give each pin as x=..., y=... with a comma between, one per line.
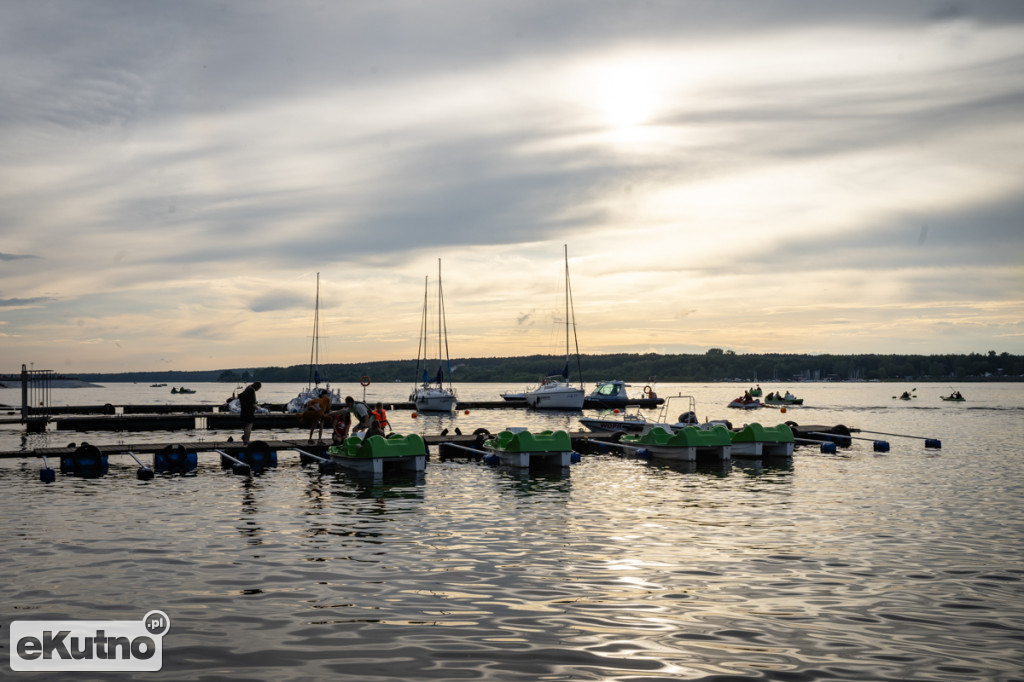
x=555, y=393
x=614, y=394
x=638, y=423
x=428, y=397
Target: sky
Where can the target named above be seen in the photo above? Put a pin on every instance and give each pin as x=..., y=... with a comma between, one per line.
x=777, y=176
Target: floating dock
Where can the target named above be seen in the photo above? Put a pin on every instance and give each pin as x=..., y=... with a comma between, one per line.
x=109, y=417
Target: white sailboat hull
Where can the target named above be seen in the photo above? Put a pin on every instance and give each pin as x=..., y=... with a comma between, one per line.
x=555, y=397
x=433, y=400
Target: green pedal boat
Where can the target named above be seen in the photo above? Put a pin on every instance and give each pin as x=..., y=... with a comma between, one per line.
x=377, y=454
x=520, y=448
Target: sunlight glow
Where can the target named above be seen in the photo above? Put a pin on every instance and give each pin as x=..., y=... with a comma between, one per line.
x=626, y=96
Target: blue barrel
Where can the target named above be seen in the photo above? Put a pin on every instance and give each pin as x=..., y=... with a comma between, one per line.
x=828, y=447
x=175, y=459
x=85, y=462
x=932, y=443
x=881, y=446
x=258, y=456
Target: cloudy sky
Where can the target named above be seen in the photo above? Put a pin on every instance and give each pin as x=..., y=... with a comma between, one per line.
x=769, y=176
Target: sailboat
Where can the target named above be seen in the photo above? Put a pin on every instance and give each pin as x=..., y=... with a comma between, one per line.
x=555, y=392
x=313, y=388
x=431, y=395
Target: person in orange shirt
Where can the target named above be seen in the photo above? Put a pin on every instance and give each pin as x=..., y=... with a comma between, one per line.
x=316, y=411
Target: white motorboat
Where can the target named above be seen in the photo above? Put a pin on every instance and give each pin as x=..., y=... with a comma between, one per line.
x=554, y=393
x=636, y=423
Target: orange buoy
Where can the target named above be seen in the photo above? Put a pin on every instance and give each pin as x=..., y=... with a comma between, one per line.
x=466, y=412
x=413, y=415
x=782, y=410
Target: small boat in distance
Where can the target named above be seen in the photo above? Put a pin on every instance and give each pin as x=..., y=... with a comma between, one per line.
x=779, y=399
x=182, y=390
x=745, y=402
x=954, y=397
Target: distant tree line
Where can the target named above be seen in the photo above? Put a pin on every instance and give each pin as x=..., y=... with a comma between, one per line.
x=714, y=365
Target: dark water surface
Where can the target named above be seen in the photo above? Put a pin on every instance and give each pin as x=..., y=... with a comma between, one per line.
x=906, y=565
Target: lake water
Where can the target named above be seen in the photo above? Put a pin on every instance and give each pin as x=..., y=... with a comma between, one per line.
x=905, y=565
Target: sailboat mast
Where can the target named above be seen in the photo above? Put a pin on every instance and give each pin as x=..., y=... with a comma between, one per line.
x=314, y=350
x=570, y=317
x=439, y=315
x=565, y=247
x=421, y=352
x=443, y=321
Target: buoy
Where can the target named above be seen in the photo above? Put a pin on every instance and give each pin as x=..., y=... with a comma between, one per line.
x=828, y=447
x=782, y=410
x=144, y=473
x=615, y=411
x=574, y=458
x=881, y=446
x=413, y=415
x=932, y=443
x=364, y=381
x=466, y=412
x=46, y=474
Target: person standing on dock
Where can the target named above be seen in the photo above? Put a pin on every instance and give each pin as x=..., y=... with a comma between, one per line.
x=362, y=414
x=247, y=405
x=317, y=410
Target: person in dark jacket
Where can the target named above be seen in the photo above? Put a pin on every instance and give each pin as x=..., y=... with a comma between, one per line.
x=247, y=403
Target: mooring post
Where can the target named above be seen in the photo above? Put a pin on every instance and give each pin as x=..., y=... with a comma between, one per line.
x=24, y=392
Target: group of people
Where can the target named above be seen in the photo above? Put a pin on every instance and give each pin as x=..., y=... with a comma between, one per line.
x=367, y=422
x=318, y=412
